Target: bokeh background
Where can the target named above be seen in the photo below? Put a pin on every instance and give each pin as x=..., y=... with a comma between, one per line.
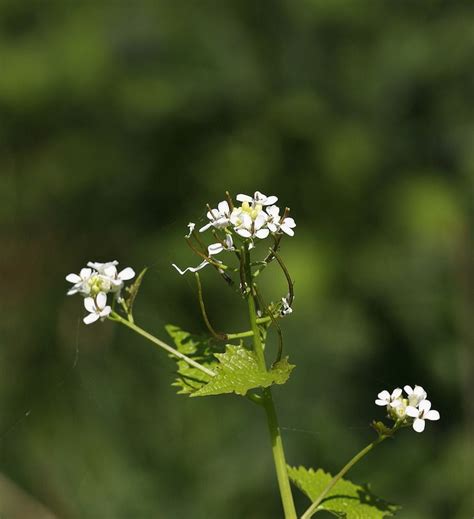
x=119, y=121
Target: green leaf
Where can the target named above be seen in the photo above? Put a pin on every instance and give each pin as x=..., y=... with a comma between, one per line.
x=345, y=500
x=132, y=291
x=199, y=349
x=238, y=372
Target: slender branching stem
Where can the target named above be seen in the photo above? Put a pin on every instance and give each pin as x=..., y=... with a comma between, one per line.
x=274, y=322
x=239, y=335
x=291, y=294
x=314, y=506
x=157, y=342
x=272, y=420
x=217, y=335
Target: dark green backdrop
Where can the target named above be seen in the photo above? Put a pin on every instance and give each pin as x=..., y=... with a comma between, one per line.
x=119, y=121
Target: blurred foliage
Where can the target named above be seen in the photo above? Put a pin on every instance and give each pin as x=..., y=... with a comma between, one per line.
x=119, y=121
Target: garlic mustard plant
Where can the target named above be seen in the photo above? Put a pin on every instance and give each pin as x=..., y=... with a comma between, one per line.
x=239, y=239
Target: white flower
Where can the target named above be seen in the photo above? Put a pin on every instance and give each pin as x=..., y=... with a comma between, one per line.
x=99, y=277
x=97, y=307
x=389, y=400
x=250, y=222
x=258, y=199
x=422, y=413
x=80, y=281
x=107, y=279
x=415, y=395
x=275, y=224
x=285, y=307
x=219, y=218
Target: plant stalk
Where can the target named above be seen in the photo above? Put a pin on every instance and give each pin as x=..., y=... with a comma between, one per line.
x=272, y=420
x=314, y=506
x=157, y=342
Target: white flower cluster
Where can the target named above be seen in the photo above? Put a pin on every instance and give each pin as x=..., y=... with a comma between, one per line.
x=94, y=283
x=414, y=406
x=257, y=217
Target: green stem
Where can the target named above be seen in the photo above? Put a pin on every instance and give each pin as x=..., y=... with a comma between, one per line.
x=157, y=342
x=313, y=508
x=217, y=335
x=272, y=420
x=240, y=335
x=279, y=456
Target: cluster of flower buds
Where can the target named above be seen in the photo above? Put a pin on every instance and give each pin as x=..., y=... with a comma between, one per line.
x=412, y=409
x=94, y=283
x=256, y=218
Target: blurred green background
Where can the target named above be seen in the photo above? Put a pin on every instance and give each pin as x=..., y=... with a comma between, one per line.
x=119, y=121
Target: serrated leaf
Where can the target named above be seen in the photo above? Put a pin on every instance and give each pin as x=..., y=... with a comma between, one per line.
x=345, y=500
x=199, y=349
x=238, y=372
x=132, y=291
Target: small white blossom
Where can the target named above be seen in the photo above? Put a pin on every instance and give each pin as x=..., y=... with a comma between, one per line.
x=415, y=395
x=250, y=222
x=389, y=400
x=219, y=218
x=80, y=281
x=258, y=199
x=275, y=224
x=97, y=307
x=107, y=279
x=422, y=413
x=99, y=277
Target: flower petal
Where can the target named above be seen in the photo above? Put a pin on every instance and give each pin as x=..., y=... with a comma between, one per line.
x=244, y=233
x=106, y=311
x=412, y=411
x=73, y=278
x=408, y=390
x=215, y=248
x=85, y=273
x=205, y=227
x=101, y=300
x=223, y=207
x=262, y=233
x=270, y=200
x=396, y=393
x=274, y=211
x=381, y=402
x=244, y=198
x=419, y=391
x=384, y=395
x=91, y=318
x=89, y=304
x=424, y=406
x=126, y=274
x=419, y=425
x=287, y=230
x=432, y=415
